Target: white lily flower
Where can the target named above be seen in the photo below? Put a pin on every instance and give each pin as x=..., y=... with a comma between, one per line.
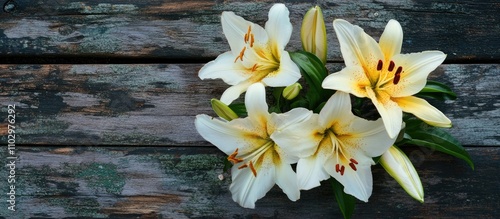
x=342, y=147
x=378, y=71
x=257, y=54
x=397, y=164
x=259, y=162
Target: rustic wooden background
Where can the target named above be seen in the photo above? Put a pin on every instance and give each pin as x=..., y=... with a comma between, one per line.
x=106, y=93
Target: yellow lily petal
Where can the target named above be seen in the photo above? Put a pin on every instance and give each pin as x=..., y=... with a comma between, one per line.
x=391, y=39
x=279, y=28
x=224, y=68
x=351, y=79
x=423, y=110
x=390, y=112
x=416, y=67
x=357, y=47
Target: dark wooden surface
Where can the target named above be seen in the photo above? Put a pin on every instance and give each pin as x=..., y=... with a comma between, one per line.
x=106, y=94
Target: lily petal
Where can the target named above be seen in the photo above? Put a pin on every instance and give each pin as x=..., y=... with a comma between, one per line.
x=351, y=79
x=255, y=101
x=337, y=108
x=423, y=110
x=247, y=188
x=279, y=28
x=397, y=164
x=363, y=134
x=225, y=68
x=310, y=171
x=416, y=68
x=294, y=117
x=227, y=136
x=287, y=73
x=356, y=183
x=235, y=28
x=357, y=47
x=286, y=179
x=392, y=39
x=233, y=92
x=389, y=110
x=300, y=139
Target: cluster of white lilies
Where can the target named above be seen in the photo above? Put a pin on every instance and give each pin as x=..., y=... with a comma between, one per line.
x=334, y=143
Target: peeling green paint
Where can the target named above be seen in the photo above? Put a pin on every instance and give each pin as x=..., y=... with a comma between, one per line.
x=102, y=176
x=42, y=126
x=193, y=169
x=134, y=138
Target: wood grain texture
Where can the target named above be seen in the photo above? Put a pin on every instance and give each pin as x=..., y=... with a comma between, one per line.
x=55, y=30
x=154, y=182
x=155, y=104
x=106, y=93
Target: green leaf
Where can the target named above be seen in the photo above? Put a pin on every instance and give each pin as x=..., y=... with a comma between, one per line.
x=239, y=109
x=227, y=165
x=346, y=202
x=314, y=73
x=436, y=90
x=435, y=138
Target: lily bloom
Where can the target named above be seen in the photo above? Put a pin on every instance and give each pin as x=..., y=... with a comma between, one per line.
x=259, y=162
x=378, y=71
x=257, y=54
x=337, y=143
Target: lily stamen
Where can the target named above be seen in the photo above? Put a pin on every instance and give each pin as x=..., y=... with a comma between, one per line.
x=254, y=67
x=380, y=65
x=340, y=168
x=353, y=161
x=233, y=159
x=253, y=169
x=252, y=39
x=242, y=53
x=353, y=166
x=391, y=66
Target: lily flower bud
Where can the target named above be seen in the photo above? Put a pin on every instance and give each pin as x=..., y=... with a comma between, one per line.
x=397, y=164
x=292, y=91
x=313, y=33
x=223, y=110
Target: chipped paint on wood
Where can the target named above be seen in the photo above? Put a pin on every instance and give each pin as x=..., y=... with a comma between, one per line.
x=173, y=30
x=182, y=183
x=140, y=104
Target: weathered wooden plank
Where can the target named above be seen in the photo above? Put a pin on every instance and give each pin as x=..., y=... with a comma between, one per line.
x=155, y=104
x=162, y=182
x=50, y=31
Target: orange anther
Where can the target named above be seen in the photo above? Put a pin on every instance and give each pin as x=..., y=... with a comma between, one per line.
x=242, y=53
x=253, y=169
x=233, y=159
x=353, y=166
x=353, y=161
x=252, y=39
x=254, y=67
x=243, y=166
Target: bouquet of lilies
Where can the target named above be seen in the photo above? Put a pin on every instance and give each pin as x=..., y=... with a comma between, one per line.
x=318, y=126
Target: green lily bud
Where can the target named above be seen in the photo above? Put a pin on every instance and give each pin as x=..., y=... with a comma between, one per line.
x=397, y=164
x=223, y=110
x=292, y=91
x=313, y=33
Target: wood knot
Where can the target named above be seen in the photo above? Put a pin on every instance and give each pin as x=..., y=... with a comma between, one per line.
x=9, y=6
